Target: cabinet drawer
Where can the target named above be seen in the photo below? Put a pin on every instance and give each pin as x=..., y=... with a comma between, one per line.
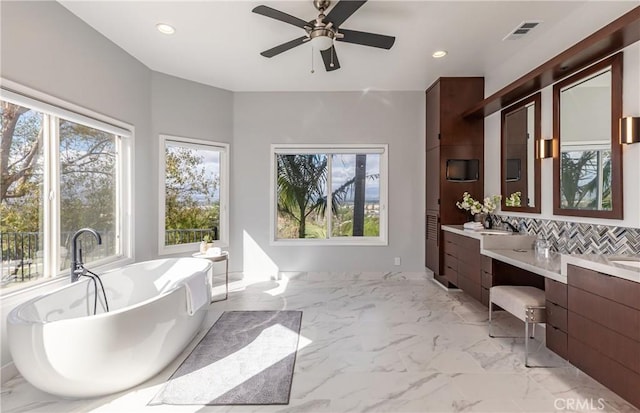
x=620, y=318
x=616, y=289
x=556, y=316
x=470, y=244
x=487, y=264
x=557, y=341
x=613, y=345
x=451, y=262
x=487, y=279
x=556, y=292
x=470, y=287
x=470, y=271
x=471, y=257
x=451, y=248
x=451, y=237
x=450, y=269
x=608, y=372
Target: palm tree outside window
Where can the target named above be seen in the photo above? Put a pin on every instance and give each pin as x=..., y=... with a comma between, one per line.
x=330, y=194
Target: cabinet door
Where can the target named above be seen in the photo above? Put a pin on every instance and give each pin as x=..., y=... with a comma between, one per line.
x=457, y=94
x=432, y=179
x=433, y=116
x=433, y=251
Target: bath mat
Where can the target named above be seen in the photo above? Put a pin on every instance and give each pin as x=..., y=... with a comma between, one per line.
x=246, y=358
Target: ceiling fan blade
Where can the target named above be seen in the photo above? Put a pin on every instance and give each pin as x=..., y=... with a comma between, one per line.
x=343, y=10
x=284, y=47
x=327, y=58
x=367, y=39
x=278, y=15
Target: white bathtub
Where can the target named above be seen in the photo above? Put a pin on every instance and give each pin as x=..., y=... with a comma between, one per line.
x=60, y=347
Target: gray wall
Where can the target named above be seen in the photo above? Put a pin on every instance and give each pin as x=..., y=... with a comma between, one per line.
x=187, y=109
x=260, y=119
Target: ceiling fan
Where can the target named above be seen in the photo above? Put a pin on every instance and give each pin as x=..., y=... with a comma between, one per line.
x=323, y=30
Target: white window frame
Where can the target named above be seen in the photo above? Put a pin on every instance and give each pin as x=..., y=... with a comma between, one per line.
x=330, y=149
x=54, y=108
x=223, y=230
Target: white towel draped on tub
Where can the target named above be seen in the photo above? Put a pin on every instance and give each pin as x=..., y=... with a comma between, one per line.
x=197, y=292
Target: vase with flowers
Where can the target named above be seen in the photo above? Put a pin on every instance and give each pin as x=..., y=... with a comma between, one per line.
x=480, y=211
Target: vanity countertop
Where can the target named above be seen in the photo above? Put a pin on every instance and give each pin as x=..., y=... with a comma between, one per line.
x=494, y=241
x=607, y=264
x=516, y=250
x=527, y=260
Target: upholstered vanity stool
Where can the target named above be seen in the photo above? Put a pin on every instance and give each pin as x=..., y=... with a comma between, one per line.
x=526, y=303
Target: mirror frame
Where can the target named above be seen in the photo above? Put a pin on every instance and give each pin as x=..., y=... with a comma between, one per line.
x=616, y=212
x=535, y=99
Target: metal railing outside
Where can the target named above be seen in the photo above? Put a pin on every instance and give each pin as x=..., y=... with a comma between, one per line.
x=22, y=255
x=20, y=260
x=186, y=236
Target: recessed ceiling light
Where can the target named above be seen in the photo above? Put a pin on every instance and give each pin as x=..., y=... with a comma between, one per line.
x=165, y=28
x=439, y=53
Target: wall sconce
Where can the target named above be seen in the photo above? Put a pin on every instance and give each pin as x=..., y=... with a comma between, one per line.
x=545, y=148
x=630, y=130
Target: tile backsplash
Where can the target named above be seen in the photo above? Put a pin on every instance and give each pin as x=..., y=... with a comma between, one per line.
x=580, y=238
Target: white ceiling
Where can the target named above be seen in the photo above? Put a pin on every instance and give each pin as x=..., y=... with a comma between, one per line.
x=218, y=42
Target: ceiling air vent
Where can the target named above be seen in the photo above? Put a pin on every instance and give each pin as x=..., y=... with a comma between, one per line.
x=522, y=29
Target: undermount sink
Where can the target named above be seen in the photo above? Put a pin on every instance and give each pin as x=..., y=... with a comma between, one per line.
x=635, y=263
x=494, y=232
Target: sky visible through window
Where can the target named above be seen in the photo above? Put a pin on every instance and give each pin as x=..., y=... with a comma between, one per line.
x=343, y=168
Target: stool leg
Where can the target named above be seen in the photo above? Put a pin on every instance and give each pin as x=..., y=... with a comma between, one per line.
x=533, y=330
x=490, y=316
x=526, y=344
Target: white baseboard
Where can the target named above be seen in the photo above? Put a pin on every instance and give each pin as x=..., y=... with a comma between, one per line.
x=451, y=290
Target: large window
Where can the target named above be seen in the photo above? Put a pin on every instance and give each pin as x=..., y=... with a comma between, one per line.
x=61, y=172
x=329, y=194
x=193, y=194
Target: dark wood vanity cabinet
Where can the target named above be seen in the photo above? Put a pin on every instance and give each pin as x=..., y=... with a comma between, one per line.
x=462, y=262
x=604, y=329
x=486, y=279
x=557, y=325
x=449, y=136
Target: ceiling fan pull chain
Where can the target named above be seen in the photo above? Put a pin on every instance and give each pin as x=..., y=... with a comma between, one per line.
x=312, y=71
x=332, y=50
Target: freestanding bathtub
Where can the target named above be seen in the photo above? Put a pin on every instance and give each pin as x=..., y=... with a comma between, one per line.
x=60, y=347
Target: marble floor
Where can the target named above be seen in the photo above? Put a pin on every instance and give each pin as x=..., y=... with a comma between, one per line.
x=374, y=342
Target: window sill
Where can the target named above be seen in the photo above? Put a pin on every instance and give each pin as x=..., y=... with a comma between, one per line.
x=329, y=243
x=183, y=249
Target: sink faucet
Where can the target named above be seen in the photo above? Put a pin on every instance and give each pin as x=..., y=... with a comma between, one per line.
x=510, y=226
x=77, y=266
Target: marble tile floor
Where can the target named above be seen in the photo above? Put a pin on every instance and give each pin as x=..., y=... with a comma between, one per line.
x=374, y=342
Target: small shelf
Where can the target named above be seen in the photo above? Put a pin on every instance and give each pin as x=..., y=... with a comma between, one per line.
x=615, y=36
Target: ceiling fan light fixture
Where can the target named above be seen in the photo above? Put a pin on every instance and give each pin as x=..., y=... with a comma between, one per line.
x=165, y=28
x=439, y=53
x=322, y=38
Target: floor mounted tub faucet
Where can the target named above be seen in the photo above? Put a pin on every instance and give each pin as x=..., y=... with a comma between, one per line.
x=77, y=266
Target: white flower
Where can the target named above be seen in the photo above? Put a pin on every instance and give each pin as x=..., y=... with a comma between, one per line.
x=487, y=206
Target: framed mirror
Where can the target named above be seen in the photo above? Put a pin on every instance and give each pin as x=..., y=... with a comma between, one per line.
x=520, y=164
x=587, y=161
